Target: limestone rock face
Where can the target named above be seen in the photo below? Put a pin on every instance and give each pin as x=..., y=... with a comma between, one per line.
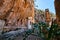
x=57, y=8
x=47, y=15
x=2, y=23
x=5, y=6
x=16, y=11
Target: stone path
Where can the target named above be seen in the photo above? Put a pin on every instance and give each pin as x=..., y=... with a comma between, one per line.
x=17, y=35
x=11, y=35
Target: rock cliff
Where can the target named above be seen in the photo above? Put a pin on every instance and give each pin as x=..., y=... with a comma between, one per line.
x=57, y=8
x=16, y=11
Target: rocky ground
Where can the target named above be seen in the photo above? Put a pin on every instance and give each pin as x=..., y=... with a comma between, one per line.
x=17, y=35
x=30, y=37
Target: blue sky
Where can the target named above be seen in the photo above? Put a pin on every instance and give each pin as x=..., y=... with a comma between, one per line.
x=43, y=4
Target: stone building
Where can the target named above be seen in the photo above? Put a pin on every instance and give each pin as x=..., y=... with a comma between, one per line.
x=16, y=12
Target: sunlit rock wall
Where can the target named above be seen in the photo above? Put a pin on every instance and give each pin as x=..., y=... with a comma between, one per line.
x=57, y=8
x=47, y=15
x=16, y=11
x=5, y=8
